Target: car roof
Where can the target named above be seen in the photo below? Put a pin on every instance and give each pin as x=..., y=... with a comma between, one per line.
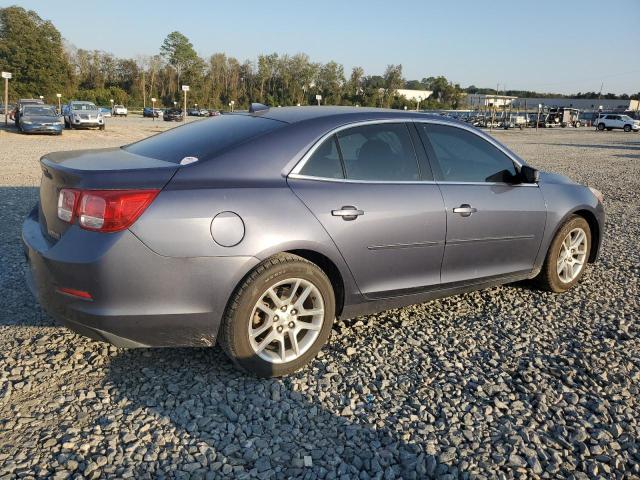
x=301, y=114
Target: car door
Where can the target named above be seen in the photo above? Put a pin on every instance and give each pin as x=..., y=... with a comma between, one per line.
x=494, y=223
x=379, y=205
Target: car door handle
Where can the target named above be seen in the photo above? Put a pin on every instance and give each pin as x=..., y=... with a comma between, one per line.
x=465, y=210
x=347, y=212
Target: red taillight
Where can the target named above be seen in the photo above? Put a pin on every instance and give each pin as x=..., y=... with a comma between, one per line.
x=104, y=210
x=75, y=293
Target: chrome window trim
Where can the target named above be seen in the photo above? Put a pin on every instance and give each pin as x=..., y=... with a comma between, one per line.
x=295, y=172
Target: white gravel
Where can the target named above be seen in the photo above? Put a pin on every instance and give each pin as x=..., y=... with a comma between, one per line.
x=503, y=383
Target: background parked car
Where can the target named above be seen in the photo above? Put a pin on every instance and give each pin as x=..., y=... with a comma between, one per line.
x=214, y=113
x=193, y=112
x=152, y=112
x=119, y=111
x=79, y=114
x=22, y=102
x=172, y=115
x=106, y=111
x=36, y=118
x=617, y=121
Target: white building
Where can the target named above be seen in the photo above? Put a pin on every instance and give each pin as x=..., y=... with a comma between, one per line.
x=579, y=103
x=475, y=100
x=414, y=95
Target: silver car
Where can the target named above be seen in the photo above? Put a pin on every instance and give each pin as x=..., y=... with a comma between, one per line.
x=78, y=114
x=256, y=230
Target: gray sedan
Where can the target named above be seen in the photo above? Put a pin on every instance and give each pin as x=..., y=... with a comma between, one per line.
x=256, y=230
x=40, y=119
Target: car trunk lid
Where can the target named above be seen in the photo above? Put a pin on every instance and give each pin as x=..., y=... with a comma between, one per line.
x=104, y=169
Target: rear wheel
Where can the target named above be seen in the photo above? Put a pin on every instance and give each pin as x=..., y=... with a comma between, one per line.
x=279, y=318
x=567, y=256
x=601, y=126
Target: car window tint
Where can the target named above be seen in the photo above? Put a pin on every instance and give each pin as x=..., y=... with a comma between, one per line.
x=381, y=152
x=324, y=162
x=464, y=156
x=203, y=139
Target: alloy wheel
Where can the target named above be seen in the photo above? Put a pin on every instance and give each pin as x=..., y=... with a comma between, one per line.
x=572, y=255
x=286, y=320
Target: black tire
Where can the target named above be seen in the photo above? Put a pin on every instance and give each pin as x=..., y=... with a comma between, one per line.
x=101, y=127
x=548, y=278
x=601, y=126
x=234, y=330
x=66, y=124
x=627, y=128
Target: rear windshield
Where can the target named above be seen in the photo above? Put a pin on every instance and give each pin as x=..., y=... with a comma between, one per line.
x=203, y=139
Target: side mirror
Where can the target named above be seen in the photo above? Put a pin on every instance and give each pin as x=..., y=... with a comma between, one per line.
x=529, y=174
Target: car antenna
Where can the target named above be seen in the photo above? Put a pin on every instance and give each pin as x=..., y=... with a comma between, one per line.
x=257, y=107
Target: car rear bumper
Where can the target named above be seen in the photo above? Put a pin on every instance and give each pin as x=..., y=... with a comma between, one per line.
x=139, y=298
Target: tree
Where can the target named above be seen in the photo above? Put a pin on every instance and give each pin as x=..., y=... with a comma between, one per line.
x=330, y=81
x=178, y=51
x=392, y=81
x=31, y=48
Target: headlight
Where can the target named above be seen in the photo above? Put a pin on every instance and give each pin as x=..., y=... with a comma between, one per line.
x=598, y=194
x=27, y=122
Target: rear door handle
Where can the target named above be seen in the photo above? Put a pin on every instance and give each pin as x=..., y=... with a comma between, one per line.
x=347, y=212
x=465, y=210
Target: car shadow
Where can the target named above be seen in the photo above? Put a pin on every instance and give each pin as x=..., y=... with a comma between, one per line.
x=243, y=426
x=17, y=304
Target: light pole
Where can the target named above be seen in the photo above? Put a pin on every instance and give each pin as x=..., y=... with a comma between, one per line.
x=59, y=95
x=185, y=89
x=6, y=76
x=153, y=108
x=232, y=103
x=111, y=100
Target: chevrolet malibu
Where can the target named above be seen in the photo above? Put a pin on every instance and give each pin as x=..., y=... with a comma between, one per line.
x=256, y=230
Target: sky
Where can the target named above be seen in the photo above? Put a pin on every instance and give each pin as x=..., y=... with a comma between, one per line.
x=558, y=46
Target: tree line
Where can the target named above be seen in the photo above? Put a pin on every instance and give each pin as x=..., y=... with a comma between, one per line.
x=43, y=64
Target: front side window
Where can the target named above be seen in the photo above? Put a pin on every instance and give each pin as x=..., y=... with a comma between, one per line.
x=382, y=152
x=463, y=156
x=324, y=162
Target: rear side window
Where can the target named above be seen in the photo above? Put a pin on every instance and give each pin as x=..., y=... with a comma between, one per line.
x=203, y=139
x=324, y=162
x=463, y=156
x=381, y=152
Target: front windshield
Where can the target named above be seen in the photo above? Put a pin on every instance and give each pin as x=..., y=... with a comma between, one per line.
x=83, y=106
x=40, y=111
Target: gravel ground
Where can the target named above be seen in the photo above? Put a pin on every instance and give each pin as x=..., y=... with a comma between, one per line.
x=503, y=383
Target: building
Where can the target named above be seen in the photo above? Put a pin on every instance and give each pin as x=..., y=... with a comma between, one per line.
x=475, y=100
x=414, y=95
x=579, y=103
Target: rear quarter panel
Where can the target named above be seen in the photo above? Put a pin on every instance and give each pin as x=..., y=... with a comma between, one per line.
x=178, y=224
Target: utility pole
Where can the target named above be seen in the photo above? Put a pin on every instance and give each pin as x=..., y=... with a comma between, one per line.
x=6, y=76
x=59, y=95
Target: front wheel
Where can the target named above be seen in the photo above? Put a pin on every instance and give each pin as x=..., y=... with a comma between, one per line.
x=279, y=318
x=627, y=128
x=567, y=256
